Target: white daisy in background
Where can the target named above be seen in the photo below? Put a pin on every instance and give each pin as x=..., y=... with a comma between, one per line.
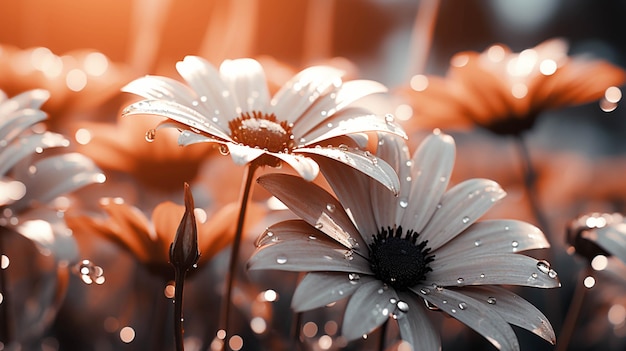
x=232, y=107
x=401, y=256
x=33, y=189
x=596, y=234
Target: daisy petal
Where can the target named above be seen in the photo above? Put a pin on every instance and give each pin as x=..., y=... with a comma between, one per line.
x=368, y=308
x=301, y=91
x=351, y=121
x=495, y=236
x=306, y=167
x=14, y=124
x=432, y=165
x=329, y=104
x=348, y=184
x=314, y=205
x=483, y=319
x=242, y=154
x=301, y=254
x=56, y=176
x=318, y=289
x=415, y=326
x=32, y=99
x=177, y=112
x=205, y=80
x=363, y=161
x=460, y=207
x=499, y=269
x=156, y=87
x=28, y=145
x=611, y=238
x=514, y=309
x=246, y=78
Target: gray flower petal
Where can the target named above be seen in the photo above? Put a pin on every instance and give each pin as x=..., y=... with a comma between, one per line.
x=460, y=207
x=415, y=326
x=28, y=145
x=494, y=236
x=306, y=167
x=245, y=77
x=156, y=87
x=483, y=319
x=363, y=161
x=318, y=289
x=303, y=89
x=15, y=123
x=316, y=206
x=509, y=269
x=301, y=254
x=612, y=238
x=431, y=168
x=514, y=309
x=206, y=81
x=368, y=308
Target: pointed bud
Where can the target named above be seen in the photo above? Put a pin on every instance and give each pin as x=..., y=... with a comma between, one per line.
x=184, y=250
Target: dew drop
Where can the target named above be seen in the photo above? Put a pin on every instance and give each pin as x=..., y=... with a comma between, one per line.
x=482, y=275
x=533, y=276
x=460, y=281
x=281, y=259
x=343, y=147
x=453, y=310
x=393, y=301
x=403, y=306
x=442, y=179
x=425, y=291
x=465, y=219
x=312, y=237
x=389, y=118
x=150, y=135
x=348, y=255
x=223, y=149
x=506, y=227
x=543, y=266
x=491, y=300
x=319, y=225
x=552, y=274
x=431, y=306
x=403, y=203
x=477, y=243
x=354, y=278
x=330, y=208
x=462, y=305
x=514, y=244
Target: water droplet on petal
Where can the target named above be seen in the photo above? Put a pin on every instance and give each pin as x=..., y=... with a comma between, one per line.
x=491, y=300
x=477, y=243
x=462, y=305
x=443, y=179
x=465, y=219
x=330, y=207
x=354, y=278
x=431, y=306
x=514, y=244
x=543, y=266
x=319, y=225
x=150, y=135
x=425, y=291
x=460, y=281
x=403, y=306
x=403, y=203
x=389, y=118
x=552, y=274
x=281, y=259
x=312, y=237
x=223, y=149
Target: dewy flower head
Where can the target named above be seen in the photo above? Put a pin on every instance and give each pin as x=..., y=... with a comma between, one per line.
x=596, y=234
x=232, y=107
x=505, y=91
x=30, y=179
x=399, y=256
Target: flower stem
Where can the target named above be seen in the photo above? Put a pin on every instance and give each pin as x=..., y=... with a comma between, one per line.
x=422, y=36
x=6, y=332
x=232, y=265
x=573, y=312
x=179, y=281
x=383, y=334
x=530, y=181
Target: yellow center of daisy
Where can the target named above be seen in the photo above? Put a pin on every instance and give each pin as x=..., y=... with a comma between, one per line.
x=263, y=131
x=400, y=261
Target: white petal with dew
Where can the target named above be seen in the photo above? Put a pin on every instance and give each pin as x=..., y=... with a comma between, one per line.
x=161, y=88
x=612, y=238
x=314, y=205
x=246, y=79
x=431, y=168
x=368, y=308
x=415, y=325
x=475, y=315
x=514, y=309
x=493, y=269
x=318, y=289
x=28, y=145
x=306, y=167
x=459, y=208
x=363, y=161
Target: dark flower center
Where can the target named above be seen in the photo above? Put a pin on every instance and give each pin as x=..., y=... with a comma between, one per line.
x=400, y=261
x=263, y=131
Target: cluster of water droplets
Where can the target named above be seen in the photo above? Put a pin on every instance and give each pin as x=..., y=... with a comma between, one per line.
x=89, y=272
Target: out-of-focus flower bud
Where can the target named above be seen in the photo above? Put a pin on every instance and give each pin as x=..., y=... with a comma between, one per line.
x=582, y=234
x=184, y=251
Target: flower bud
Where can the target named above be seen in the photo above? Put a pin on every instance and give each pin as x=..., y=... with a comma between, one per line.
x=184, y=250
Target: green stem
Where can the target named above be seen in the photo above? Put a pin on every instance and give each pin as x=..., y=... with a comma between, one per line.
x=179, y=281
x=232, y=265
x=573, y=312
x=6, y=332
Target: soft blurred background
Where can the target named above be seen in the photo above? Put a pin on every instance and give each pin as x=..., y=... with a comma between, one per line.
x=83, y=52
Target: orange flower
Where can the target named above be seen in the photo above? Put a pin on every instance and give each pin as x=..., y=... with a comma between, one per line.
x=149, y=239
x=505, y=92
